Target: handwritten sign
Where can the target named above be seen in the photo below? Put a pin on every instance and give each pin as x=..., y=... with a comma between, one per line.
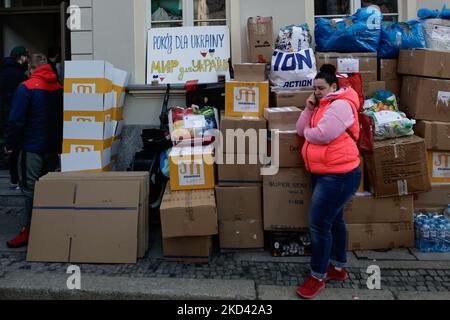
x=177, y=55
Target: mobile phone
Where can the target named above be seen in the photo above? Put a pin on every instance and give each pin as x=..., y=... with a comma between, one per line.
x=316, y=101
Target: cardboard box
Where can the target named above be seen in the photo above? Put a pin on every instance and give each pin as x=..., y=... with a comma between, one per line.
x=290, y=150
x=436, y=199
x=84, y=222
x=370, y=88
x=188, y=213
x=86, y=155
x=244, y=133
x=191, y=168
x=246, y=98
x=286, y=198
x=290, y=98
x=251, y=72
x=362, y=185
x=426, y=99
x=261, y=42
x=380, y=236
x=284, y=118
x=236, y=175
x=365, y=209
x=436, y=134
x=290, y=244
x=388, y=69
x=239, y=203
x=425, y=63
x=394, y=86
x=398, y=167
x=105, y=178
x=241, y=234
x=439, y=166
x=187, y=249
x=365, y=63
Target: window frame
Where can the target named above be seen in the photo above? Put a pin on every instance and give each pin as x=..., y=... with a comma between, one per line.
x=356, y=4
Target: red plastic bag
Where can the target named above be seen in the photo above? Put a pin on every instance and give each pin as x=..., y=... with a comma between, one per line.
x=366, y=134
x=352, y=80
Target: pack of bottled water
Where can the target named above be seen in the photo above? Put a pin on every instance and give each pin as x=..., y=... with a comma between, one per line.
x=432, y=231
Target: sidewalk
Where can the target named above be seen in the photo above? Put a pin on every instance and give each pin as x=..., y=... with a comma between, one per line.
x=405, y=274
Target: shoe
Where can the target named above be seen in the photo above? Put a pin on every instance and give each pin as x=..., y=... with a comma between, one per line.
x=13, y=186
x=311, y=288
x=335, y=275
x=21, y=240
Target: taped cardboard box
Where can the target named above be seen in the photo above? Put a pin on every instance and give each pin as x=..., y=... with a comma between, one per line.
x=439, y=166
x=251, y=72
x=246, y=98
x=290, y=150
x=426, y=99
x=362, y=186
x=394, y=86
x=243, y=170
x=364, y=209
x=188, y=213
x=435, y=133
x=436, y=199
x=398, y=167
x=86, y=155
x=388, y=69
x=191, y=168
x=104, y=179
x=239, y=203
x=370, y=88
x=365, y=63
x=188, y=249
x=241, y=234
x=425, y=63
x=242, y=134
x=261, y=42
x=84, y=222
x=286, y=198
x=290, y=98
x=380, y=236
x=284, y=118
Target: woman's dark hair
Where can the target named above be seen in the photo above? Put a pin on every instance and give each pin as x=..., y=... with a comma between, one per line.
x=328, y=73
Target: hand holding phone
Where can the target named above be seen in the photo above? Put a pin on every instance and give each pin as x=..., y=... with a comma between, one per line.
x=312, y=102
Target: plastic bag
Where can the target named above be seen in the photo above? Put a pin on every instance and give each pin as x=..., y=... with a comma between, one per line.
x=294, y=70
x=391, y=124
x=357, y=33
x=294, y=38
x=398, y=36
x=381, y=101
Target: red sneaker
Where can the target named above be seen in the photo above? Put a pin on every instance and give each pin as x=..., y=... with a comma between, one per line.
x=21, y=240
x=335, y=275
x=311, y=288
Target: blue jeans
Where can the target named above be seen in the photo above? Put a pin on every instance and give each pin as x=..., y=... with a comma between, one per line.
x=331, y=193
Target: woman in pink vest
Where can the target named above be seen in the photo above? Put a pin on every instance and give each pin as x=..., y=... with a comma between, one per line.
x=330, y=127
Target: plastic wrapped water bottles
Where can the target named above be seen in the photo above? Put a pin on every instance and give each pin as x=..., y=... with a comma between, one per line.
x=432, y=232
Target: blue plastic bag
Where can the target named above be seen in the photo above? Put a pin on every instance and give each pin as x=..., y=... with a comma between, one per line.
x=397, y=36
x=357, y=33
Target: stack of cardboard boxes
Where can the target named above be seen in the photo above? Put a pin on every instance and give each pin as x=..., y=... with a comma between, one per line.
x=387, y=72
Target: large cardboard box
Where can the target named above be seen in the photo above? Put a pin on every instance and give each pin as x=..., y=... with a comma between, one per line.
x=246, y=98
x=236, y=175
x=104, y=179
x=425, y=98
x=290, y=98
x=84, y=222
x=435, y=133
x=188, y=249
x=388, y=69
x=380, y=236
x=370, y=88
x=241, y=234
x=239, y=203
x=251, y=72
x=191, y=168
x=365, y=63
x=398, y=167
x=439, y=166
x=365, y=209
x=436, y=199
x=286, y=198
x=284, y=118
x=290, y=150
x=362, y=185
x=260, y=39
x=425, y=63
x=394, y=86
x=242, y=132
x=188, y=213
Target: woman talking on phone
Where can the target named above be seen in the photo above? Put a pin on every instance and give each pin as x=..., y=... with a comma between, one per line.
x=330, y=127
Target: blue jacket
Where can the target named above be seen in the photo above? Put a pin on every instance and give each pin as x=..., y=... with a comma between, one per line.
x=36, y=118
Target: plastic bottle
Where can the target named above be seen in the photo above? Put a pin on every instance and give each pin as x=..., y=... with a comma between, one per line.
x=424, y=237
x=447, y=212
x=441, y=234
x=433, y=236
x=447, y=237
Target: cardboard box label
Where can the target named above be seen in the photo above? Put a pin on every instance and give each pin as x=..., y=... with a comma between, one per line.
x=348, y=65
x=246, y=99
x=440, y=166
x=191, y=173
x=443, y=97
x=194, y=122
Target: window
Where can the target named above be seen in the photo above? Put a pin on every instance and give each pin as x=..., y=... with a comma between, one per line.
x=177, y=13
x=340, y=8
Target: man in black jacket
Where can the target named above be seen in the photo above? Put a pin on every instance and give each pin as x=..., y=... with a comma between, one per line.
x=12, y=74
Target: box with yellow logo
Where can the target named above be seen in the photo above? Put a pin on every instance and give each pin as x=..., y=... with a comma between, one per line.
x=439, y=166
x=191, y=168
x=120, y=82
x=246, y=98
x=86, y=155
